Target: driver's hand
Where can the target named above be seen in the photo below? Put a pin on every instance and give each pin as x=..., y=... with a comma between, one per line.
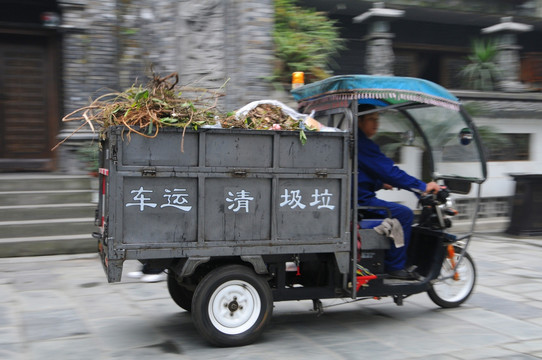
x=432, y=187
x=387, y=187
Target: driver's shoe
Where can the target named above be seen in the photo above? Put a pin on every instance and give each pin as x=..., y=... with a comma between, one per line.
x=403, y=274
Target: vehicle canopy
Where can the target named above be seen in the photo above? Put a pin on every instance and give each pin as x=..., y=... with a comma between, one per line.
x=414, y=112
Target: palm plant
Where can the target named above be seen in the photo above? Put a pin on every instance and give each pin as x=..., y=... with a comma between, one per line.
x=482, y=73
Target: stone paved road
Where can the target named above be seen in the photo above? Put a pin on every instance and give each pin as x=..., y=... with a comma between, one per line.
x=61, y=307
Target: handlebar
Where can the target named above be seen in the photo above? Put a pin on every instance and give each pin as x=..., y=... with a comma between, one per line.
x=435, y=212
x=432, y=199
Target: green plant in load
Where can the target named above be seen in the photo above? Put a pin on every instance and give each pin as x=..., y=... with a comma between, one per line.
x=305, y=40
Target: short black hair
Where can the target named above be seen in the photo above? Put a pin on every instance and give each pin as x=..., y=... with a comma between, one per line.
x=365, y=107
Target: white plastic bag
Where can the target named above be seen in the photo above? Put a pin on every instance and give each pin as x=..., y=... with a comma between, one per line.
x=307, y=120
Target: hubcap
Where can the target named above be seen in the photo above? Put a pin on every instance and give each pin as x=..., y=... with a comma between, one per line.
x=234, y=307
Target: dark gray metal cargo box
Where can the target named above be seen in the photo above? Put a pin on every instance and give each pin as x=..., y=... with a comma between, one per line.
x=222, y=192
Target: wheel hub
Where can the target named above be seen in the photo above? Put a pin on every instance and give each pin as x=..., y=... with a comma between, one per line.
x=233, y=305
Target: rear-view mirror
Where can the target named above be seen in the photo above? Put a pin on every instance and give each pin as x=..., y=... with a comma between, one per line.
x=458, y=186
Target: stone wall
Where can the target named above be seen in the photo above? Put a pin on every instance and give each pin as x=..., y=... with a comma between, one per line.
x=90, y=50
x=111, y=44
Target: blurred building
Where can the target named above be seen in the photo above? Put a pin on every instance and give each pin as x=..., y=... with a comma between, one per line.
x=56, y=55
x=432, y=40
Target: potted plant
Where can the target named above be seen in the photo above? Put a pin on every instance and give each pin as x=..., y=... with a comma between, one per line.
x=482, y=73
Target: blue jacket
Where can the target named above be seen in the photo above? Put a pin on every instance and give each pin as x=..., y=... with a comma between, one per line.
x=376, y=169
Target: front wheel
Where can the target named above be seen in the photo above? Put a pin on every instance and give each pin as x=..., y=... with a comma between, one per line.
x=452, y=292
x=232, y=305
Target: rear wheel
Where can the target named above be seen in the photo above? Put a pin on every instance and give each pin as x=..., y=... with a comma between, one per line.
x=181, y=295
x=452, y=292
x=232, y=305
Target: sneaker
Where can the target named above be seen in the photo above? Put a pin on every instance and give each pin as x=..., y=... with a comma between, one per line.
x=135, y=274
x=150, y=278
x=403, y=274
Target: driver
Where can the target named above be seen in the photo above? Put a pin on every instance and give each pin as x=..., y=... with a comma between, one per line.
x=376, y=171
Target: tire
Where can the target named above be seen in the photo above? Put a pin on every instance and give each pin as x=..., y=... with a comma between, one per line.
x=451, y=293
x=232, y=305
x=179, y=294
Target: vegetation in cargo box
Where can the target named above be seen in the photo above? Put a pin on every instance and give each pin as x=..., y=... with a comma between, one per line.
x=150, y=107
x=263, y=117
x=145, y=109
x=305, y=40
x=266, y=117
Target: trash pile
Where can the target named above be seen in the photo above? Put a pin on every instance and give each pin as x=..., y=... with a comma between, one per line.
x=264, y=115
x=145, y=109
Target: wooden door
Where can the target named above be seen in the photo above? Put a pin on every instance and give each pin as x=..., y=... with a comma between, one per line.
x=28, y=102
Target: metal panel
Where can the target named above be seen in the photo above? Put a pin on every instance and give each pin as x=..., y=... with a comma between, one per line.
x=239, y=149
x=308, y=208
x=237, y=209
x=159, y=209
x=319, y=152
x=167, y=150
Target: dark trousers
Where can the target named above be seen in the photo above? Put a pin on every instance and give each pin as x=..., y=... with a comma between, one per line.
x=395, y=257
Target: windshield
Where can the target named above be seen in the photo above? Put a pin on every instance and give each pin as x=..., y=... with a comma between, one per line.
x=455, y=147
x=453, y=150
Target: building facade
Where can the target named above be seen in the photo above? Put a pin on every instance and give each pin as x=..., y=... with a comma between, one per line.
x=432, y=40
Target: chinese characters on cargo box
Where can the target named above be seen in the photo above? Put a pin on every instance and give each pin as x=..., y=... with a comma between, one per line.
x=236, y=201
x=177, y=198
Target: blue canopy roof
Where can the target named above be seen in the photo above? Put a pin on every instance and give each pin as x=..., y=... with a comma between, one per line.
x=379, y=90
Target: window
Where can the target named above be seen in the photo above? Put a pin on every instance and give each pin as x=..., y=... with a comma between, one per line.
x=507, y=147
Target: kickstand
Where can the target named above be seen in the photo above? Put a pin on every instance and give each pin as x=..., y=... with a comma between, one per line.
x=317, y=306
x=398, y=299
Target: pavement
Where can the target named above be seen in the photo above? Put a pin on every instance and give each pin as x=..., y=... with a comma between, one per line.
x=61, y=307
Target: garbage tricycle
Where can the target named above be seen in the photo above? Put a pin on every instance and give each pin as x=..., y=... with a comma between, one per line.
x=244, y=218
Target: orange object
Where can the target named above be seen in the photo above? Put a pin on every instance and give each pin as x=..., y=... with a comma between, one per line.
x=361, y=280
x=298, y=79
x=451, y=256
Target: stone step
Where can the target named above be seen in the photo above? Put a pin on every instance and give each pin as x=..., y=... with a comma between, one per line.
x=40, y=197
x=46, y=227
x=47, y=245
x=47, y=211
x=43, y=182
x=46, y=214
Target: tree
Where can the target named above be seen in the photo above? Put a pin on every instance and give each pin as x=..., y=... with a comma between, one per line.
x=305, y=40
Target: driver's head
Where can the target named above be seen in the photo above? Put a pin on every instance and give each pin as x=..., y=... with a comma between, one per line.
x=368, y=123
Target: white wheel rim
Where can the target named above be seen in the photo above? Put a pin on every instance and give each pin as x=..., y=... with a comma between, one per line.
x=451, y=290
x=234, y=307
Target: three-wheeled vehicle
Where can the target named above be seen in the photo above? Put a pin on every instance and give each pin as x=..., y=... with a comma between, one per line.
x=243, y=218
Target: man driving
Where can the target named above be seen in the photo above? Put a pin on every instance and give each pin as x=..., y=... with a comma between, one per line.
x=376, y=171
